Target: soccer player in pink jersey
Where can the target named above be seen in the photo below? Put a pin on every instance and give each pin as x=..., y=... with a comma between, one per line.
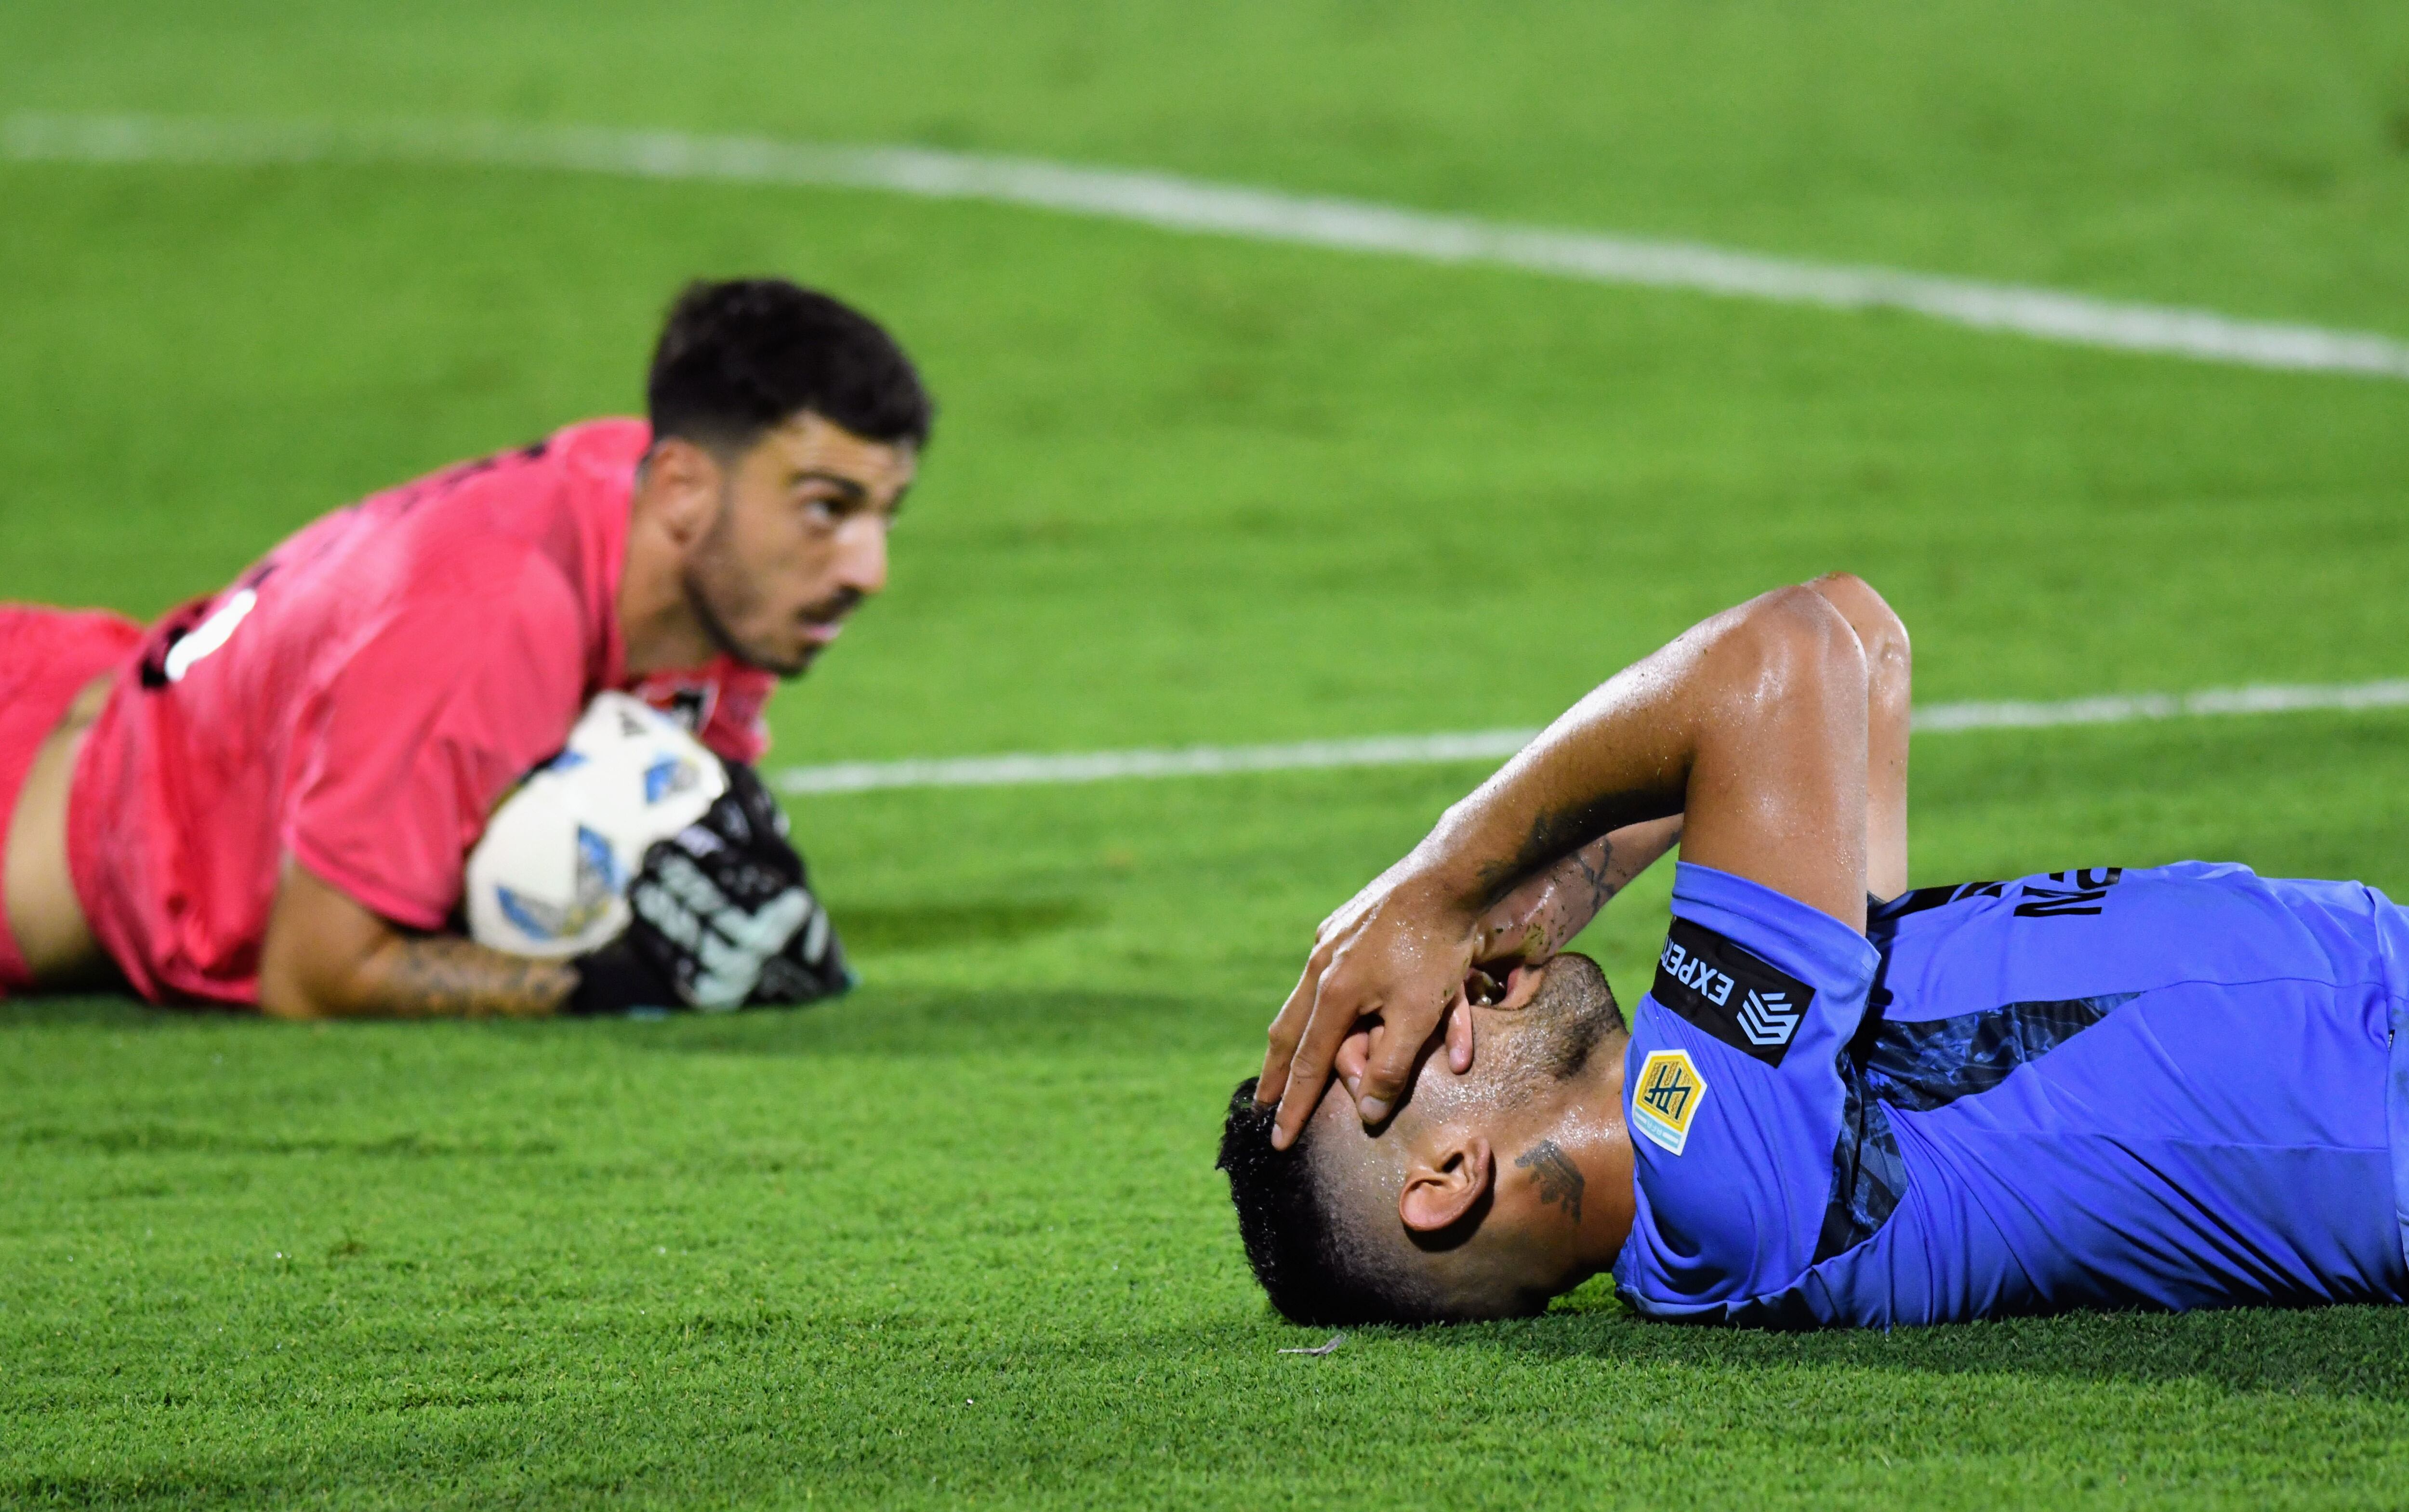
x=267, y=798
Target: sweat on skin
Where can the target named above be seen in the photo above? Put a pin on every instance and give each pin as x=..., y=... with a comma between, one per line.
x=2103, y=1087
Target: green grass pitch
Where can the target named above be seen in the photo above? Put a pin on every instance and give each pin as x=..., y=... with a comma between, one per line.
x=957, y=1240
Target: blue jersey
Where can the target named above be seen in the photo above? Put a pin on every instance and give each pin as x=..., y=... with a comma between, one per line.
x=2171, y=1088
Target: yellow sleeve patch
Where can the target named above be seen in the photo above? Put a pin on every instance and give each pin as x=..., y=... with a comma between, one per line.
x=1667, y=1099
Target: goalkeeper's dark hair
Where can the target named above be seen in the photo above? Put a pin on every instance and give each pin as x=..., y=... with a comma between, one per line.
x=1313, y=1270
x=741, y=357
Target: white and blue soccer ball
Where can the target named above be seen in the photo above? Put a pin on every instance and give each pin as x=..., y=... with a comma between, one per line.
x=549, y=877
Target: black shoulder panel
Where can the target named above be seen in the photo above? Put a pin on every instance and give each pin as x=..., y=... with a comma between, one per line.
x=1734, y=995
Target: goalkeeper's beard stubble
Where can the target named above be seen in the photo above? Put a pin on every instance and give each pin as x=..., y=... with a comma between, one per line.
x=721, y=595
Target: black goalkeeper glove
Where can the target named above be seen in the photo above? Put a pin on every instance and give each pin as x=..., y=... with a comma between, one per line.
x=723, y=918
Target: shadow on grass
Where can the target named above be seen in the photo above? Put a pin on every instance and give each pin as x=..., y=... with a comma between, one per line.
x=166, y=1139
x=2353, y=1351
x=116, y=1011
x=871, y=931
x=871, y=1020
x=945, y=1022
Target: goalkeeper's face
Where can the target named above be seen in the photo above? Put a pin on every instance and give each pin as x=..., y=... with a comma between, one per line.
x=799, y=540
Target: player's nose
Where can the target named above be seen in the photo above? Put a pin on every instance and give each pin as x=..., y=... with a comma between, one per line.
x=861, y=556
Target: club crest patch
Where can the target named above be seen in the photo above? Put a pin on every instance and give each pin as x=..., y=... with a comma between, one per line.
x=1666, y=1098
x=1749, y=1003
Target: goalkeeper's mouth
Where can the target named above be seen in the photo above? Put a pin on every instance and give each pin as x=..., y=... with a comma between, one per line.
x=821, y=623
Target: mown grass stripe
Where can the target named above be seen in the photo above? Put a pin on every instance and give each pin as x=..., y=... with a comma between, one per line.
x=1189, y=205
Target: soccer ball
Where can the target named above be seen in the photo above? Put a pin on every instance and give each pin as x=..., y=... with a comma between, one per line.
x=549, y=877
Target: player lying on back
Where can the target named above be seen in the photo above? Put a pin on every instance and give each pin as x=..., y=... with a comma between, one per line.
x=268, y=797
x=2173, y=1087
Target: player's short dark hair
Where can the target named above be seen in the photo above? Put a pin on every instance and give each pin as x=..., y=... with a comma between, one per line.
x=744, y=356
x=1314, y=1272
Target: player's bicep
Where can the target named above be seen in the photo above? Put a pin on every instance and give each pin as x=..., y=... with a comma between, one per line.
x=1777, y=782
x=319, y=943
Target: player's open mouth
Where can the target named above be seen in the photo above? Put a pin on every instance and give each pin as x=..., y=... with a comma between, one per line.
x=820, y=633
x=1488, y=989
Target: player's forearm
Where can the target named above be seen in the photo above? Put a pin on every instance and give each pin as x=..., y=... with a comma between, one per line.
x=1763, y=704
x=1540, y=917
x=442, y=976
x=1751, y=726
x=424, y=976
x=328, y=956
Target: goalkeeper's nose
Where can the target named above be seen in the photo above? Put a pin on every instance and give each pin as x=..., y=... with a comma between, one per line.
x=861, y=555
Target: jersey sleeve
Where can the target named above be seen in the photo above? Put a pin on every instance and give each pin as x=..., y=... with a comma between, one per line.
x=1736, y=1092
x=416, y=734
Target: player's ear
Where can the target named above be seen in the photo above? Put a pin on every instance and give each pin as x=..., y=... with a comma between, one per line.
x=1443, y=1184
x=683, y=486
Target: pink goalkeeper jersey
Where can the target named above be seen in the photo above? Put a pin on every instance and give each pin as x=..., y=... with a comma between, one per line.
x=359, y=701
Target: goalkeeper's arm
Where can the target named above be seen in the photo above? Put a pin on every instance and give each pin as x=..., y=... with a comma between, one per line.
x=724, y=917
x=329, y=957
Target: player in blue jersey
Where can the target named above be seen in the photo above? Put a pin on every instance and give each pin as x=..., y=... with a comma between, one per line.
x=1839, y=1101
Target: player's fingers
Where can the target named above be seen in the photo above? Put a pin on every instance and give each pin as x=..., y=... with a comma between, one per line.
x=1335, y=1011
x=1354, y=1054
x=1288, y=1028
x=1392, y=1063
x=1459, y=1039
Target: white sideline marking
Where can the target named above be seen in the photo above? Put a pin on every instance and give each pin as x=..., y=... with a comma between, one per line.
x=2117, y=709
x=1192, y=761
x=1191, y=205
x=1497, y=744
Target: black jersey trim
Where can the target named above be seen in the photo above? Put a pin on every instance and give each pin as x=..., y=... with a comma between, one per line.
x=1868, y=1175
x=1730, y=991
x=1919, y=1066
x=1932, y=1063
x=1924, y=897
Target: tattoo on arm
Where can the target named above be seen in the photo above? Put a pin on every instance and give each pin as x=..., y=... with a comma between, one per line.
x=1553, y=835
x=1580, y=886
x=1559, y=1180
x=442, y=976
x=1599, y=874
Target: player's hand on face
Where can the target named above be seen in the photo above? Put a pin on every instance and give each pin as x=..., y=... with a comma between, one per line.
x=724, y=918
x=1398, y=952
x=1356, y=1051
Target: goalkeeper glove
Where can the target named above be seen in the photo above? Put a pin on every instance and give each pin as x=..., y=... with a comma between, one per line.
x=723, y=917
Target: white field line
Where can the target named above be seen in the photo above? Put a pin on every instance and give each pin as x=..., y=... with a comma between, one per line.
x=1190, y=762
x=1191, y=205
x=1497, y=744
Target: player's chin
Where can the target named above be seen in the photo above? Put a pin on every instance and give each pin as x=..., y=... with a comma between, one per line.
x=791, y=658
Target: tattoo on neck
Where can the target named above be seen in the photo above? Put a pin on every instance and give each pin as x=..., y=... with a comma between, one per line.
x=1559, y=1179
